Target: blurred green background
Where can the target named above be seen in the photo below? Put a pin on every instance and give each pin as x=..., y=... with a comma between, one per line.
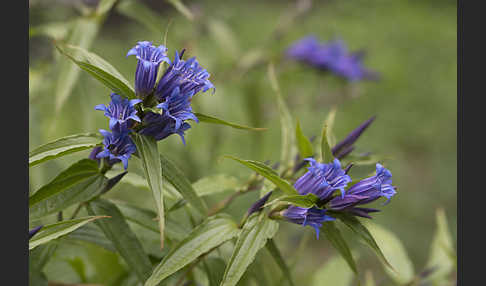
x=411, y=43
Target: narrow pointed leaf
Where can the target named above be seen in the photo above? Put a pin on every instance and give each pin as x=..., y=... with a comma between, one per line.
x=211, y=119
x=117, y=230
x=326, y=152
x=287, y=129
x=303, y=143
x=359, y=229
x=98, y=68
x=395, y=253
x=93, y=234
x=38, y=258
x=303, y=201
x=63, y=146
x=149, y=156
x=268, y=173
x=81, y=182
x=254, y=235
x=211, y=233
x=277, y=256
x=56, y=230
x=180, y=182
x=336, y=239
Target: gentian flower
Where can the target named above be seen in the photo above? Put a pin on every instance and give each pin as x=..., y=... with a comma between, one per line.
x=307, y=216
x=120, y=110
x=188, y=76
x=366, y=191
x=322, y=179
x=332, y=56
x=344, y=147
x=175, y=110
x=118, y=145
x=149, y=58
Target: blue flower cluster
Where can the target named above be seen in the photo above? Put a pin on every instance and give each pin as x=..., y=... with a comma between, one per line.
x=332, y=56
x=165, y=105
x=324, y=180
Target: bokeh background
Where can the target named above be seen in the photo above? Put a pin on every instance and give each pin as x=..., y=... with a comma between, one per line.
x=412, y=44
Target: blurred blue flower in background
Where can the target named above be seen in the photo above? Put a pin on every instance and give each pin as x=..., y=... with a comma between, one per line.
x=149, y=58
x=332, y=56
x=307, y=216
x=120, y=110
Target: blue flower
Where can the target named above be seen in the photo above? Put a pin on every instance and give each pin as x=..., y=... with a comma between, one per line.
x=176, y=109
x=322, y=179
x=188, y=76
x=35, y=230
x=120, y=110
x=366, y=190
x=149, y=58
x=344, y=147
x=332, y=56
x=118, y=146
x=307, y=216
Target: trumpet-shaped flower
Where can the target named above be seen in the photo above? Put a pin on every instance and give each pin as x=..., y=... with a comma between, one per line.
x=149, y=58
x=307, y=216
x=118, y=146
x=322, y=179
x=120, y=110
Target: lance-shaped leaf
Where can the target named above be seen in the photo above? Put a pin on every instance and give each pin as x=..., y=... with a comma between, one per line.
x=359, y=229
x=395, y=253
x=56, y=230
x=268, y=173
x=38, y=258
x=442, y=255
x=63, y=146
x=303, y=143
x=336, y=239
x=303, y=201
x=214, y=120
x=211, y=233
x=215, y=184
x=180, y=182
x=98, y=68
x=93, y=234
x=149, y=156
x=214, y=268
x=287, y=128
x=255, y=233
x=330, y=125
x=117, y=230
x=79, y=183
x=277, y=256
x=326, y=153
x=141, y=13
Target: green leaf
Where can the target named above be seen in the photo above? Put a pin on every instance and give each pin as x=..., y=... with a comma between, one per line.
x=149, y=156
x=303, y=201
x=255, y=233
x=215, y=184
x=336, y=239
x=287, y=132
x=54, y=30
x=56, y=230
x=82, y=34
x=180, y=182
x=38, y=258
x=440, y=251
x=359, y=229
x=214, y=267
x=211, y=233
x=330, y=124
x=104, y=7
x=333, y=272
x=303, y=143
x=182, y=9
x=98, y=68
x=268, y=173
x=326, y=153
x=117, y=230
x=272, y=248
x=141, y=13
x=63, y=146
x=395, y=253
x=214, y=120
x=92, y=234
x=79, y=183
x=224, y=37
